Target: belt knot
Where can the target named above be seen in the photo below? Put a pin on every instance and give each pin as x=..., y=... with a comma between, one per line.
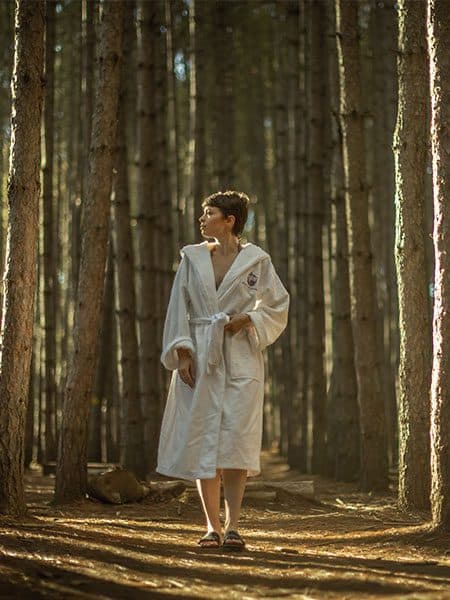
x=214, y=340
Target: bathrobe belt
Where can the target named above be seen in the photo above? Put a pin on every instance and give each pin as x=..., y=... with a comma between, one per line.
x=214, y=339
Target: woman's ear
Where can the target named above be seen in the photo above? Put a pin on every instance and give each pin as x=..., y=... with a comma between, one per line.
x=233, y=220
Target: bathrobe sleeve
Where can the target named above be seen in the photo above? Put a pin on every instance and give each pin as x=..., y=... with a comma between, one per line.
x=270, y=315
x=176, y=333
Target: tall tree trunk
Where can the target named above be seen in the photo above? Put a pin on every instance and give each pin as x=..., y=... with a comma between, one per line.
x=302, y=270
x=381, y=98
x=410, y=146
x=295, y=22
x=90, y=10
x=125, y=296
x=438, y=26
x=71, y=472
x=48, y=254
x=146, y=231
x=316, y=193
x=20, y=275
x=367, y=360
x=163, y=215
x=343, y=432
x=280, y=252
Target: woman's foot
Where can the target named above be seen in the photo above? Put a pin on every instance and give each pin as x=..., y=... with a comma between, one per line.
x=211, y=539
x=233, y=541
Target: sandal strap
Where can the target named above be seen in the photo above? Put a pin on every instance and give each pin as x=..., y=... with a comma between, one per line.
x=233, y=535
x=212, y=536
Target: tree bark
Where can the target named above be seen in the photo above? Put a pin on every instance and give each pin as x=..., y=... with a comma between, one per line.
x=48, y=254
x=343, y=430
x=146, y=233
x=125, y=295
x=410, y=147
x=296, y=15
x=362, y=285
x=316, y=207
x=71, y=472
x=381, y=98
x=163, y=214
x=21, y=250
x=438, y=26
x=90, y=10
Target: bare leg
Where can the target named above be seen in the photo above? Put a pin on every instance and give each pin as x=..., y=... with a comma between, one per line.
x=209, y=491
x=234, y=481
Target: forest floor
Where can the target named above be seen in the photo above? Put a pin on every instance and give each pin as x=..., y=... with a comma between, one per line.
x=343, y=544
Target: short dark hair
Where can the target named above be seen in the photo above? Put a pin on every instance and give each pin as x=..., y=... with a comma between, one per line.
x=231, y=202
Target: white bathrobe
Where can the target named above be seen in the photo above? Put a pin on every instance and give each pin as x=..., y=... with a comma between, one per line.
x=218, y=423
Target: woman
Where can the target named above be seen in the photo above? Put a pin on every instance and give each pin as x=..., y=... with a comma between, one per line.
x=227, y=304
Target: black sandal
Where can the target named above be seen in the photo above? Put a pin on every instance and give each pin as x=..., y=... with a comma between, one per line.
x=210, y=540
x=233, y=541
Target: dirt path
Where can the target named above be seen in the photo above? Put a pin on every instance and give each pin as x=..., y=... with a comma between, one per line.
x=343, y=545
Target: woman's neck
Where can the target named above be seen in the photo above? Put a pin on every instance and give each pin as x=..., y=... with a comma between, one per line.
x=227, y=246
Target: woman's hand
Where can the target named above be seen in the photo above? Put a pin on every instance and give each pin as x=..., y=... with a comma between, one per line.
x=186, y=367
x=237, y=322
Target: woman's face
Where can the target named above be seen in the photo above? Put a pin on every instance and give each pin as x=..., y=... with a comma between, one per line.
x=213, y=223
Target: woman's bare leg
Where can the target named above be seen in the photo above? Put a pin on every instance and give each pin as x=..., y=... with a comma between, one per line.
x=234, y=481
x=209, y=491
